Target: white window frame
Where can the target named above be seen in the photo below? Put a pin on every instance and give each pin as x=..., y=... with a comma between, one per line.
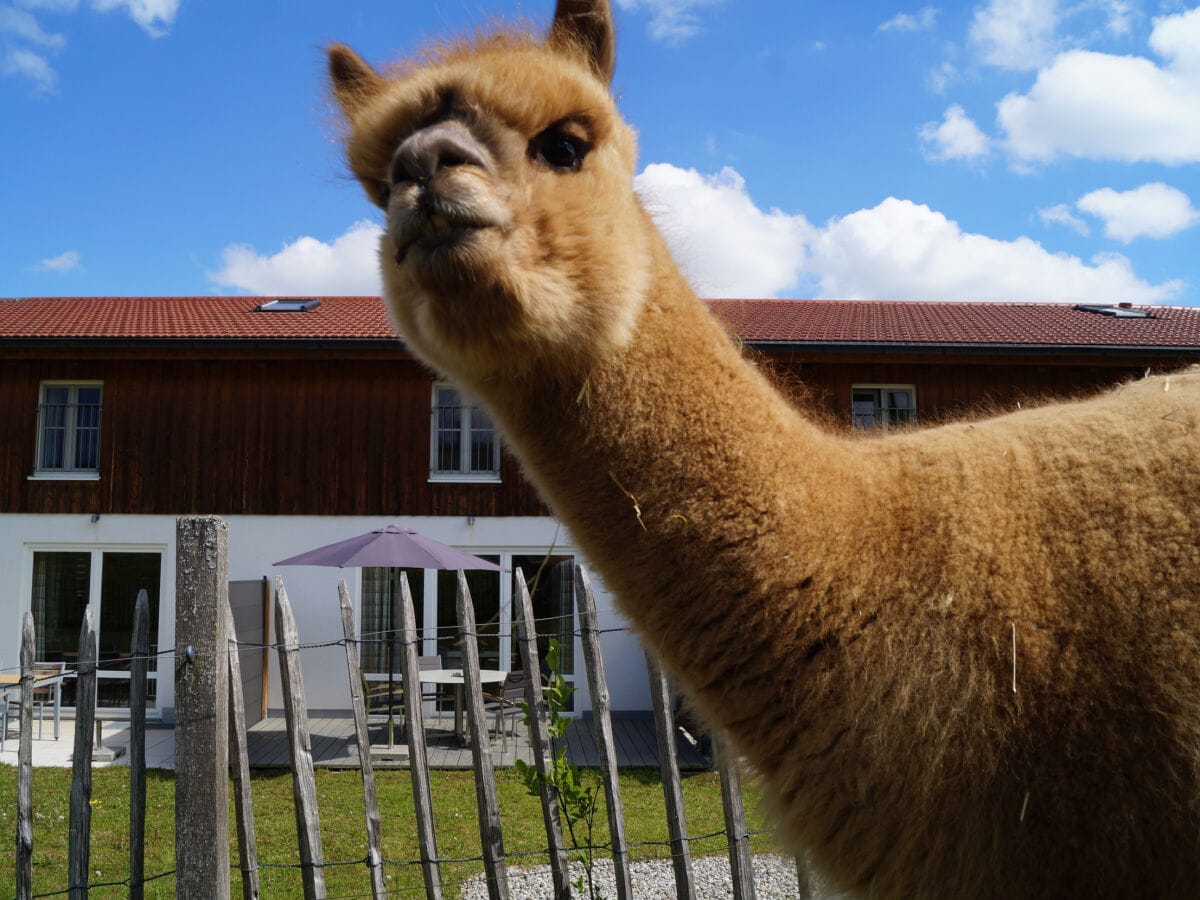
x=429, y=627
x=882, y=413
x=461, y=474
x=71, y=431
x=165, y=691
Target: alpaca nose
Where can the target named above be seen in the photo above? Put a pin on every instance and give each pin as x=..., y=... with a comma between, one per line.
x=445, y=145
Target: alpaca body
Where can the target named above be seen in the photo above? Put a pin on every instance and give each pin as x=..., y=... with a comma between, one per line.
x=845, y=610
x=965, y=661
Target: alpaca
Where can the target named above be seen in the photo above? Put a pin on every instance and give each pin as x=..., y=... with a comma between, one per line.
x=964, y=661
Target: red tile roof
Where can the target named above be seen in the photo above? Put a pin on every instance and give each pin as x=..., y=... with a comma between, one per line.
x=817, y=322
x=191, y=318
x=809, y=323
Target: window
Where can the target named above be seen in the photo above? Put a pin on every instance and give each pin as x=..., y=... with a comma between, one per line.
x=485, y=597
x=68, y=441
x=883, y=406
x=463, y=440
x=435, y=598
x=65, y=583
x=379, y=588
x=551, y=583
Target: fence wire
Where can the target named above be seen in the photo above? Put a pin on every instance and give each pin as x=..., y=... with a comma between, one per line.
x=541, y=854
x=372, y=637
x=509, y=855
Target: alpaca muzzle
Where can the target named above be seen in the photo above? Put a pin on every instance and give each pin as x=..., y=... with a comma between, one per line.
x=438, y=199
x=445, y=145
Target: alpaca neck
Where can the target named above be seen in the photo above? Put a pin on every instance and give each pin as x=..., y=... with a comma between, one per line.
x=674, y=466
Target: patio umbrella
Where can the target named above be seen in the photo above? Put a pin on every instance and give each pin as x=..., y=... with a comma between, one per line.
x=390, y=547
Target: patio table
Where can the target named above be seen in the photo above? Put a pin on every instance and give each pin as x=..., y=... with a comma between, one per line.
x=456, y=678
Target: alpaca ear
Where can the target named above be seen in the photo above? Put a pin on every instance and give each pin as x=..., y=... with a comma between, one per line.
x=354, y=82
x=586, y=26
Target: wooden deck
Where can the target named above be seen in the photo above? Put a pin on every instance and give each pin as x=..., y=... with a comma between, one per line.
x=333, y=745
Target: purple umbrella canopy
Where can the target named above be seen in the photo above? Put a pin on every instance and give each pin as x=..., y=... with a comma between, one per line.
x=390, y=547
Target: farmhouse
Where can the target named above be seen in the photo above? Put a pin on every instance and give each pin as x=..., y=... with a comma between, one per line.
x=303, y=421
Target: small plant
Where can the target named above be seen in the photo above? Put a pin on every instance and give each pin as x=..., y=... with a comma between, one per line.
x=578, y=796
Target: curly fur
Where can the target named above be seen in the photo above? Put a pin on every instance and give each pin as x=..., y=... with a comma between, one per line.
x=965, y=661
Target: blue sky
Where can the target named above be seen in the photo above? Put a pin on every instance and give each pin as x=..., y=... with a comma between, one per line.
x=1004, y=149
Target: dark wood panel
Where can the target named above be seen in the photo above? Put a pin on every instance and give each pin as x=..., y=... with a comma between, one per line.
x=330, y=434
x=237, y=436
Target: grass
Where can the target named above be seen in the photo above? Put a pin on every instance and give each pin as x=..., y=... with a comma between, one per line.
x=343, y=829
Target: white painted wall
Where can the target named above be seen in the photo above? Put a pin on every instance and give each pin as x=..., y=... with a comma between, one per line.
x=21, y=536
x=256, y=542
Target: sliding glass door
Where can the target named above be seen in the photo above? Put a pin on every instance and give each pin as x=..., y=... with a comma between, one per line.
x=551, y=580
x=64, y=583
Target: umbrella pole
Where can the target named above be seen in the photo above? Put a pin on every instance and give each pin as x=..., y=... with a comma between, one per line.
x=391, y=661
x=391, y=684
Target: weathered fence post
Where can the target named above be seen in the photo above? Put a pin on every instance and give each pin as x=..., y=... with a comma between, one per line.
x=585, y=602
x=25, y=765
x=740, y=860
x=539, y=739
x=418, y=765
x=487, y=802
x=668, y=763
x=138, y=653
x=359, y=708
x=202, y=707
x=806, y=889
x=304, y=784
x=79, y=841
x=239, y=764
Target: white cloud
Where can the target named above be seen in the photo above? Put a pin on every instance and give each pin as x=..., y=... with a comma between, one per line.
x=1015, y=34
x=349, y=265
x=955, y=137
x=939, y=80
x=900, y=249
x=924, y=20
x=724, y=243
x=1119, y=17
x=1101, y=106
x=729, y=247
x=64, y=262
x=154, y=17
x=24, y=26
x=24, y=63
x=671, y=21
x=23, y=54
x=1152, y=210
x=1062, y=215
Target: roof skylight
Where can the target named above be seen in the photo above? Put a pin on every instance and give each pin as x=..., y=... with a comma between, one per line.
x=288, y=305
x=1120, y=311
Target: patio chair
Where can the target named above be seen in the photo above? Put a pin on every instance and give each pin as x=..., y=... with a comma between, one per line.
x=6, y=707
x=43, y=696
x=507, y=702
x=375, y=693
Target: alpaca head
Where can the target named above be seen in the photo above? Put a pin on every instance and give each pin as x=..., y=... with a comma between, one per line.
x=506, y=175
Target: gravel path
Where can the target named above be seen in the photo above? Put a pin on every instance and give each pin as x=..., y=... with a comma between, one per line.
x=774, y=879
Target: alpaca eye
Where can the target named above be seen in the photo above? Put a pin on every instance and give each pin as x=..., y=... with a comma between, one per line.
x=559, y=150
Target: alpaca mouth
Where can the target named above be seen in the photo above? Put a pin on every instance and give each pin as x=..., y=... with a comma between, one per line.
x=438, y=231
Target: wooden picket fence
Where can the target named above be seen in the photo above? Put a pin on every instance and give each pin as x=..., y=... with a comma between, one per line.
x=211, y=746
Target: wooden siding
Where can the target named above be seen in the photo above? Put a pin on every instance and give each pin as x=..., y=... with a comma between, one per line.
x=946, y=390
x=301, y=435
x=344, y=430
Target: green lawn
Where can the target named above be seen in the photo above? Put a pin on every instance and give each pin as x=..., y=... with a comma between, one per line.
x=343, y=831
